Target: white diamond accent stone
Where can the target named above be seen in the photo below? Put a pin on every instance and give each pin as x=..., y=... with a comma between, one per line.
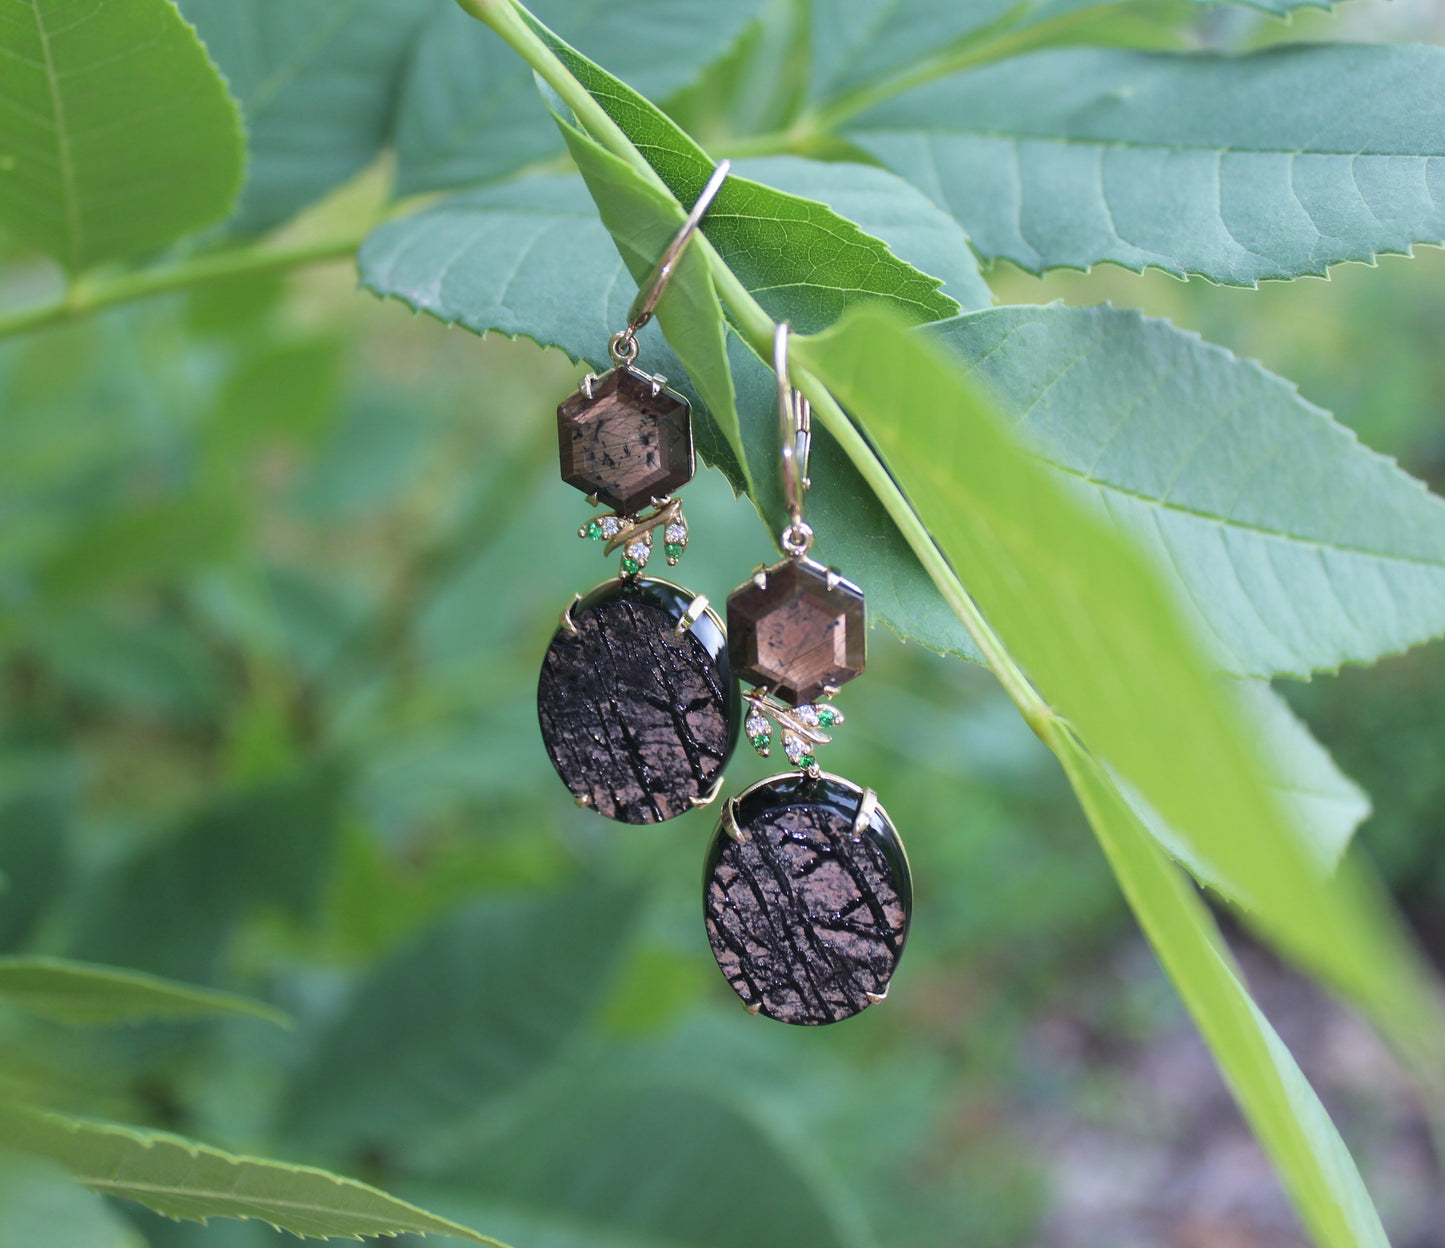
x=794, y=747
x=611, y=526
x=809, y=715
x=676, y=532
x=638, y=550
x=757, y=725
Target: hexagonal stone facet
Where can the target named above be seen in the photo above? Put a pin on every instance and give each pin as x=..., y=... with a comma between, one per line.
x=625, y=444
x=795, y=632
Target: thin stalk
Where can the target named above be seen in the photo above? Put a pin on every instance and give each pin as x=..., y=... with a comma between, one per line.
x=505, y=18
x=85, y=297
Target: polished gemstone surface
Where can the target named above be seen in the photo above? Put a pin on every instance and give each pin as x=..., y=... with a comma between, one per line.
x=638, y=720
x=625, y=443
x=807, y=920
x=799, y=632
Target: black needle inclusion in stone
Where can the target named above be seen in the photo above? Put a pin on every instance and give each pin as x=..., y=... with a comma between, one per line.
x=637, y=719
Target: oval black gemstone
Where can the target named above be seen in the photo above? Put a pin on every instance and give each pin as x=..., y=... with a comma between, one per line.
x=807, y=919
x=638, y=719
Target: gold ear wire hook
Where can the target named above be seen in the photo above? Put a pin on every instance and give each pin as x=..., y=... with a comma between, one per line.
x=624, y=343
x=795, y=421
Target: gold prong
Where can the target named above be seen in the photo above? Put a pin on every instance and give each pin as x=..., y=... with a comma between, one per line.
x=582, y=799
x=592, y=500
x=566, y=617
x=760, y=577
x=834, y=578
x=708, y=798
x=875, y=997
x=587, y=383
x=830, y=691
x=754, y=1008
x=658, y=381
x=867, y=805
x=692, y=615
x=730, y=820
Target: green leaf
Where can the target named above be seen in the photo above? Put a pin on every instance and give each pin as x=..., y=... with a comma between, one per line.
x=468, y=111
x=182, y=1179
x=1325, y=804
x=86, y=994
x=856, y=43
x=317, y=81
x=802, y=261
x=39, y=1204
x=1101, y=638
x=478, y=1003
x=1270, y=165
x=916, y=230
x=643, y=220
x=597, y=1158
x=117, y=135
x=1294, y=547
x=1282, y=1109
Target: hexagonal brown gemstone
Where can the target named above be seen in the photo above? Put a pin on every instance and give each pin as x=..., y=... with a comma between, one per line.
x=795, y=632
x=625, y=443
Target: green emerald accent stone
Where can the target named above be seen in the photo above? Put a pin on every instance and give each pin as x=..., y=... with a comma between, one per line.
x=631, y=566
x=807, y=761
x=594, y=530
x=674, y=550
x=827, y=718
x=762, y=741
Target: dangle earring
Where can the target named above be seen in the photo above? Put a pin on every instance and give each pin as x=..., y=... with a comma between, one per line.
x=806, y=889
x=638, y=705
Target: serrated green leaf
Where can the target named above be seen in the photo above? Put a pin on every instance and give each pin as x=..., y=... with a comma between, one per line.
x=1098, y=633
x=916, y=230
x=90, y=995
x=1281, y=1107
x=40, y=1205
x=802, y=261
x=468, y=111
x=182, y=1179
x=1270, y=165
x=117, y=135
x=858, y=42
x=1294, y=546
x=317, y=81
x=473, y=1007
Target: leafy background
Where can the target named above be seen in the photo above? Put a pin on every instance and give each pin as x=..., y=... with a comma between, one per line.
x=278, y=562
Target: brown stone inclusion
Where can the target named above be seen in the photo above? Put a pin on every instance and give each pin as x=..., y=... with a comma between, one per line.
x=796, y=633
x=625, y=443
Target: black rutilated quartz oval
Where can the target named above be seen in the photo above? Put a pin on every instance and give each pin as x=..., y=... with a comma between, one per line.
x=638, y=719
x=806, y=917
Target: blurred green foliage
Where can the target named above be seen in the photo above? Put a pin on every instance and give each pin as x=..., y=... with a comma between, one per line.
x=295, y=754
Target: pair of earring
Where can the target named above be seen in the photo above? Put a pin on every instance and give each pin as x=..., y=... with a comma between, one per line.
x=807, y=894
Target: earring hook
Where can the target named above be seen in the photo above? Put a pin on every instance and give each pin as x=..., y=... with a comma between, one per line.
x=624, y=343
x=795, y=421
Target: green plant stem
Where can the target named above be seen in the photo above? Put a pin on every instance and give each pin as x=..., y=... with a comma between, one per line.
x=85, y=297
x=993, y=43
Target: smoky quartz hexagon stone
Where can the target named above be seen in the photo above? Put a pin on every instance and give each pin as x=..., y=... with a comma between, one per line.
x=798, y=629
x=638, y=719
x=807, y=899
x=627, y=442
